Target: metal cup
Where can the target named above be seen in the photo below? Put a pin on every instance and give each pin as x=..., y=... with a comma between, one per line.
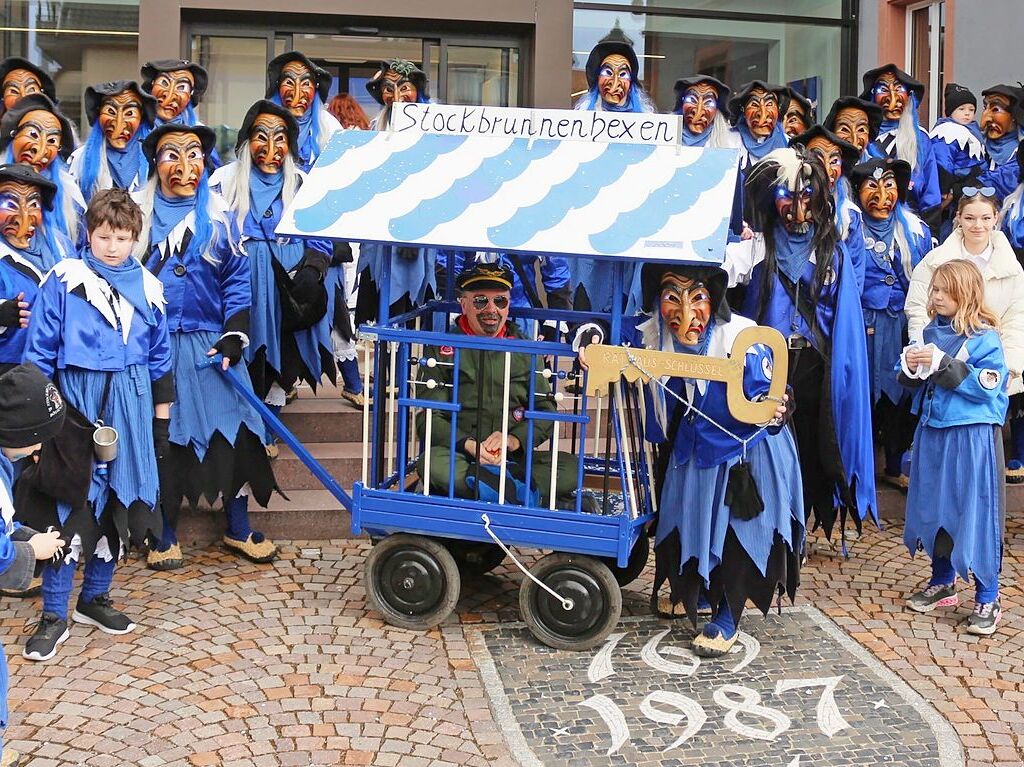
x=104, y=443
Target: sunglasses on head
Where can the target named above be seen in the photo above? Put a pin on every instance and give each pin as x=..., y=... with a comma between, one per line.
x=974, y=191
x=480, y=302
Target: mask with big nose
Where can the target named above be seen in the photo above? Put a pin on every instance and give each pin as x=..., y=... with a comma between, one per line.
x=179, y=164
x=890, y=94
x=761, y=112
x=614, y=80
x=38, y=139
x=21, y=213
x=685, y=306
x=120, y=117
x=794, y=205
x=878, y=195
x=268, y=143
x=297, y=88
x=700, y=106
x=172, y=91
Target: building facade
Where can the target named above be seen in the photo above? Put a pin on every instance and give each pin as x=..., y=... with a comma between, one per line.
x=513, y=52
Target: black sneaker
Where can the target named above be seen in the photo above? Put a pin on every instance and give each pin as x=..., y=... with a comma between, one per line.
x=984, y=619
x=51, y=630
x=100, y=613
x=939, y=595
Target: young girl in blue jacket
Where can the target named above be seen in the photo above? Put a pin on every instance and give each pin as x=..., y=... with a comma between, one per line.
x=959, y=377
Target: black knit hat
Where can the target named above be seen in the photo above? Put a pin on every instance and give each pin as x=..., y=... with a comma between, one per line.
x=739, y=99
x=31, y=408
x=406, y=69
x=871, y=77
x=485, y=276
x=94, y=98
x=849, y=152
x=199, y=76
x=714, y=277
x=614, y=42
x=870, y=108
x=206, y=137
x=24, y=174
x=11, y=63
x=35, y=102
x=265, y=106
x=955, y=95
x=875, y=167
x=723, y=90
x=321, y=77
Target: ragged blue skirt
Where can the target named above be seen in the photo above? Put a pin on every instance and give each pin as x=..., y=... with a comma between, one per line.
x=884, y=348
x=957, y=484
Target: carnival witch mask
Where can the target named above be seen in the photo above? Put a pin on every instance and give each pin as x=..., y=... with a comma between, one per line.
x=120, y=116
x=173, y=92
x=891, y=95
x=700, y=107
x=21, y=213
x=852, y=125
x=685, y=307
x=614, y=80
x=268, y=142
x=19, y=83
x=180, y=162
x=878, y=194
x=997, y=118
x=831, y=157
x=38, y=139
x=396, y=85
x=297, y=87
x=761, y=112
x=798, y=118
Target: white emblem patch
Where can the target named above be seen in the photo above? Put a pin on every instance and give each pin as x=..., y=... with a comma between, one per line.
x=989, y=378
x=766, y=367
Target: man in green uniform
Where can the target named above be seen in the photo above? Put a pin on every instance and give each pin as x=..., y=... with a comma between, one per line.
x=484, y=295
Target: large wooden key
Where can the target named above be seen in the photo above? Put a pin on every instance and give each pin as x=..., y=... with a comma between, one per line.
x=606, y=364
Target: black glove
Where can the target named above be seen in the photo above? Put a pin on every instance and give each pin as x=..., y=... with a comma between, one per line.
x=161, y=438
x=342, y=254
x=10, y=314
x=231, y=347
x=306, y=284
x=408, y=254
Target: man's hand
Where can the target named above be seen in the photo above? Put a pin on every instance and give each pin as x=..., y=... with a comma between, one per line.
x=583, y=358
x=490, y=448
x=780, y=411
x=45, y=545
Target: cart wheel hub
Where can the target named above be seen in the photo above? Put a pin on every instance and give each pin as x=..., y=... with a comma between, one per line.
x=581, y=604
x=411, y=581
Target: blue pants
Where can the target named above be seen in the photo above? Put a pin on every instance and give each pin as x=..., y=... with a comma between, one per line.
x=57, y=581
x=944, y=574
x=350, y=375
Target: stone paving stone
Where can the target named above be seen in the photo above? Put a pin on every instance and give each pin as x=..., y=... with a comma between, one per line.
x=269, y=665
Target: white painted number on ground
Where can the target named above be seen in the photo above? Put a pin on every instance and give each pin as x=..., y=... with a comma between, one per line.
x=830, y=721
x=749, y=703
x=613, y=718
x=693, y=713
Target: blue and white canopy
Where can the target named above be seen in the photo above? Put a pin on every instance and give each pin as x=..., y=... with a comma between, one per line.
x=514, y=194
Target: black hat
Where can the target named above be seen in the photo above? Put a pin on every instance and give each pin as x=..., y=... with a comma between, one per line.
x=614, y=42
x=871, y=77
x=955, y=95
x=850, y=153
x=205, y=135
x=94, y=98
x=199, y=76
x=724, y=91
x=1014, y=94
x=37, y=101
x=321, y=77
x=870, y=108
x=714, y=277
x=11, y=63
x=807, y=107
x=24, y=174
x=875, y=167
x=739, y=99
x=32, y=409
x=485, y=276
x=405, y=68
x=265, y=106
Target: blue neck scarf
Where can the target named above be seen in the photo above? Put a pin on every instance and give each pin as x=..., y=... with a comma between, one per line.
x=792, y=251
x=126, y=279
x=758, y=149
x=881, y=231
x=941, y=333
x=167, y=213
x=124, y=163
x=264, y=188
x=697, y=139
x=1001, y=149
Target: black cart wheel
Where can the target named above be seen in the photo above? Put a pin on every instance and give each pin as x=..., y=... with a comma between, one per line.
x=588, y=584
x=636, y=564
x=412, y=581
x=474, y=558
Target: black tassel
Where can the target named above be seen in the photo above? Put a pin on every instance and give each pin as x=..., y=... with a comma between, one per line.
x=741, y=493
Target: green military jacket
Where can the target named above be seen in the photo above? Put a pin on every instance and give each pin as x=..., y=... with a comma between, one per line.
x=481, y=380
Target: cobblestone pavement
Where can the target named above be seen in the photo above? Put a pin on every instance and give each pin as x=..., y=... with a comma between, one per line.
x=242, y=665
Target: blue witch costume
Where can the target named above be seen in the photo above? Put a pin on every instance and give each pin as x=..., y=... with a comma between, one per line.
x=68, y=206
x=1012, y=215
x=216, y=437
x=956, y=505
x=1002, y=154
x=713, y=538
x=98, y=165
x=289, y=331
x=816, y=306
x=187, y=116
x=887, y=280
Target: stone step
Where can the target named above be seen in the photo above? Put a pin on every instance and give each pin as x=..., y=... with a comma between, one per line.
x=343, y=461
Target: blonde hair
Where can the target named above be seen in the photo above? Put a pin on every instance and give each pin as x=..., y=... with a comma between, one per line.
x=962, y=281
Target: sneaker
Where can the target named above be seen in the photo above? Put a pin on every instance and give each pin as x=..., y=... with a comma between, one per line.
x=51, y=630
x=100, y=613
x=940, y=595
x=984, y=619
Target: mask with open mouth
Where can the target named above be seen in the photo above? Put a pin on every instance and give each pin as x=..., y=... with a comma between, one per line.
x=685, y=307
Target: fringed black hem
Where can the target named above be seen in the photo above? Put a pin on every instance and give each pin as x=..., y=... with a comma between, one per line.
x=294, y=369
x=341, y=322
x=134, y=527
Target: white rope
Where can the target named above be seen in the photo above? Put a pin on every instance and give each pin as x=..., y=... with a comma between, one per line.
x=567, y=604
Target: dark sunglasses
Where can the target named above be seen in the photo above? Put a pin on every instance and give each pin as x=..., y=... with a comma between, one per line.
x=480, y=302
x=985, y=191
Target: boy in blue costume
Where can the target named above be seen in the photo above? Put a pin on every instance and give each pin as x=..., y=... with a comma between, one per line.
x=731, y=515
x=120, y=114
x=33, y=132
x=895, y=241
x=31, y=412
x=99, y=331
x=902, y=137
x=957, y=144
x=703, y=101
x=800, y=281
x=216, y=439
x=289, y=330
